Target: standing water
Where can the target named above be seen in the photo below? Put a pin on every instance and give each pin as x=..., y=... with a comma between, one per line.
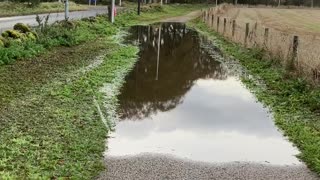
x=181, y=101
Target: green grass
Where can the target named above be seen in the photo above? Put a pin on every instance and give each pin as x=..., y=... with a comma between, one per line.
x=59, y=35
x=50, y=125
x=294, y=102
x=58, y=132
x=19, y=9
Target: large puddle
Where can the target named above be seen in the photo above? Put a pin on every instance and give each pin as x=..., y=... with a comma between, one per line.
x=179, y=100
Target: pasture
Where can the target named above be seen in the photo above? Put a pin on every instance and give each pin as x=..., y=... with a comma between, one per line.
x=291, y=36
x=295, y=21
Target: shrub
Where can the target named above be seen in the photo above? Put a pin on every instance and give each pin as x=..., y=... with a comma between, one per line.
x=22, y=28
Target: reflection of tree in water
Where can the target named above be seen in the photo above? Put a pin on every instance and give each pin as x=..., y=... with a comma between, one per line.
x=181, y=63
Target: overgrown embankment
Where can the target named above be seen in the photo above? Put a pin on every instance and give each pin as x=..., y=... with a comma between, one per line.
x=50, y=124
x=294, y=102
x=19, y=9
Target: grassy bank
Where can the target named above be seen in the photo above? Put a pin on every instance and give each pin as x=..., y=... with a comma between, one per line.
x=295, y=104
x=77, y=32
x=51, y=125
x=19, y=9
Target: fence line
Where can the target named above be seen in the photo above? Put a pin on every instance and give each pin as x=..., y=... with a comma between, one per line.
x=299, y=52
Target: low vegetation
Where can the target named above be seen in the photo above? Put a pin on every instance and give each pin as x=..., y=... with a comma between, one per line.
x=294, y=102
x=70, y=33
x=50, y=124
x=18, y=9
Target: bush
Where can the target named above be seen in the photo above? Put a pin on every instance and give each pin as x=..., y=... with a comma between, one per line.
x=22, y=28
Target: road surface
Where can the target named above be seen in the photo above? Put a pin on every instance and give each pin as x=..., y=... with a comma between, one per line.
x=8, y=22
x=160, y=167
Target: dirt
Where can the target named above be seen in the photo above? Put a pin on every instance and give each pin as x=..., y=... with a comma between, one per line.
x=184, y=18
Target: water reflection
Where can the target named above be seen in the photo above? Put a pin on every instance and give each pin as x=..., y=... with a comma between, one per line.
x=160, y=84
x=178, y=100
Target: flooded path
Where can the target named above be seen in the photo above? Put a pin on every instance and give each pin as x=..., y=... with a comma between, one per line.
x=183, y=115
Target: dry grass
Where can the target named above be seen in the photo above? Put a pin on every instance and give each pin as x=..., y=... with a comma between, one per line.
x=283, y=25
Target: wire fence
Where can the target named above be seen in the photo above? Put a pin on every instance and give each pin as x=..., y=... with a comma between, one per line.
x=299, y=52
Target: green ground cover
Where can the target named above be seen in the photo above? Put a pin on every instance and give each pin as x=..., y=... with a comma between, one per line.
x=50, y=95
x=295, y=103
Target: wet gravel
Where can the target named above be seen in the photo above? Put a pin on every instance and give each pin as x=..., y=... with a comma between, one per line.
x=157, y=166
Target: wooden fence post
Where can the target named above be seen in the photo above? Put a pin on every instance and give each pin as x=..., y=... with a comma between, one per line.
x=247, y=34
x=233, y=27
x=266, y=36
x=203, y=15
x=212, y=20
x=218, y=22
x=224, y=25
x=295, y=47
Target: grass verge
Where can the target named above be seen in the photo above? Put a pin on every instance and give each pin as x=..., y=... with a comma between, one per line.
x=19, y=9
x=77, y=32
x=51, y=126
x=295, y=103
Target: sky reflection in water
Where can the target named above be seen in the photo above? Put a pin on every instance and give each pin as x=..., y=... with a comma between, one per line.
x=185, y=104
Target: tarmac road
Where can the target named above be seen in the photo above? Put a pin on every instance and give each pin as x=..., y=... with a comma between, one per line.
x=8, y=22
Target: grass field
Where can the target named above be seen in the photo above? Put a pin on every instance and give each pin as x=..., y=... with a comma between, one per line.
x=300, y=21
x=18, y=9
x=283, y=25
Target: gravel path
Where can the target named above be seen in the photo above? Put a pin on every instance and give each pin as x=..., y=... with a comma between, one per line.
x=156, y=167
x=183, y=19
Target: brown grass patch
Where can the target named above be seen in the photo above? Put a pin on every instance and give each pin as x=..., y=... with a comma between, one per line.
x=283, y=25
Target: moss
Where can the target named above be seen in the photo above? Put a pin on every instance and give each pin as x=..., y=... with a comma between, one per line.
x=4, y=41
x=13, y=34
x=22, y=28
x=35, y=34
x=5, y=34
x=31, y=36
x=1, y=43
